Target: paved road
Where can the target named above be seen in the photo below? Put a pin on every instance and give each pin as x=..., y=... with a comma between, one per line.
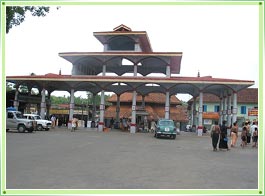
x=87, y=159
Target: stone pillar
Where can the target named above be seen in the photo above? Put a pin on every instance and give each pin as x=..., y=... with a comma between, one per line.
x=43, y=104
x=104, y=70
x=191, y=114
x=167, y=105
x=105, y=47
x=234, y=111
x=224, y=107
x=72, y=104
x=102, y=111
x=221, y=111
x=118, y=106
x=135, y=70
x=168, y=72
x=94, y=108
x=133, y=122
x=194, y=111
x=200, y=125
x=48, y=105
x=16, y=103
x=137, y=47
x=229, y=110
x=143, y=101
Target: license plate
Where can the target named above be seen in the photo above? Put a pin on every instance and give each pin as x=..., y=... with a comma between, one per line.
x=166, y=129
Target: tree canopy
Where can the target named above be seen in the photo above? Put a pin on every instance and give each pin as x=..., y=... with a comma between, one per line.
x=15, y=15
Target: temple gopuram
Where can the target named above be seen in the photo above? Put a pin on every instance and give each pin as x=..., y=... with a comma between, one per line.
x=129, y=65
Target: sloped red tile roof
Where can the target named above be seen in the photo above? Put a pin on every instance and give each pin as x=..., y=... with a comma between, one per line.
x=150, y=98
x=178, y=113
x=249, y=95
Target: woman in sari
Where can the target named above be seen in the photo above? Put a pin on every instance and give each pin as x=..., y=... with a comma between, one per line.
x=215, y=131
x=234, y=132
x=223, y=137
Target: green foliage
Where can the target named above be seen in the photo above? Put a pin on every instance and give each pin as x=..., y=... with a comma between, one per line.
x=79, y=100
x=15, y=15
x=60, y=100
x=10, y=87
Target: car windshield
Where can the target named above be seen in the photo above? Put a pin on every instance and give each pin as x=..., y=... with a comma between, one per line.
x=166, y=123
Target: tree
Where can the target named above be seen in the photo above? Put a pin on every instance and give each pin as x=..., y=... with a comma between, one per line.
x=15, y=15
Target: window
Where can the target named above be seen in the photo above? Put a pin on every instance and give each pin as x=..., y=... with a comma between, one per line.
x=216, y=108
x=243, y=110
x=10, y=115
x=204, y=108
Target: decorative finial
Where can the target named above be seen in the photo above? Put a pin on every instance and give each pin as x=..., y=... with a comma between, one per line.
x=198, y=74
x=60, y=72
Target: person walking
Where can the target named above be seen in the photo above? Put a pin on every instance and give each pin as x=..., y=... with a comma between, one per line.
x=215, y=132
x=112, y=123
x=255, y=137
x=244, y=137
x=248, y=132
x=153, y=126
x=252, y=129
x=74, y=124
x=223, y=137
x=234, y=134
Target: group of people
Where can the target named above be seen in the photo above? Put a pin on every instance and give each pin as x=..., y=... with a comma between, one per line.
x=219, y=134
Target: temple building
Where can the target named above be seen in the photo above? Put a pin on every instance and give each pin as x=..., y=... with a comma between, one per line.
x=128, y=64
x=150, y=106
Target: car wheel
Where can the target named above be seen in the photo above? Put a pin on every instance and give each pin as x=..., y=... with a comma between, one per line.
x=39, y=127
x=47, y=129
x=21, y=128
x=173, y=137
x=157, y=136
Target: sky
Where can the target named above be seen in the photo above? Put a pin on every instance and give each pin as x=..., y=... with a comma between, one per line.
x=217, y=41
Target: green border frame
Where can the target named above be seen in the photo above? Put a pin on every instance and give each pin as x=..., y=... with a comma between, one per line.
x=259, y=191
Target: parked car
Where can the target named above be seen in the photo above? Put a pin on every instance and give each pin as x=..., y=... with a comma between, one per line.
x=41, y=123
x=165, y=127
x=15, y=120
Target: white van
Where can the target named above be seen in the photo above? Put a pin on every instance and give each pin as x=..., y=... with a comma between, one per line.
x=15, y=120
x=41, y=123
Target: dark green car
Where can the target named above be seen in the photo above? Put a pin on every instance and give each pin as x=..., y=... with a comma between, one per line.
x=166, y=128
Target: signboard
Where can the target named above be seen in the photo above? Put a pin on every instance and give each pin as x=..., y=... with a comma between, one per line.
x=252, y=112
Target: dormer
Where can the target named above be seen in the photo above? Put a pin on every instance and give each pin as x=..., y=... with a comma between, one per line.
x=123, y=39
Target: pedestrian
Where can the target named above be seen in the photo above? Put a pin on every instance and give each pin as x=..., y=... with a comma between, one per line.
x=215, y=132
x=248, y=132
x=74, y=124
x=53, y=119
x=124, y=124
x=111, y=123
x=223, y=137
x=245, y=127
x=234, y=134
x=244, y=137
x=252, y=129
x=255, y=137
x=153, y=126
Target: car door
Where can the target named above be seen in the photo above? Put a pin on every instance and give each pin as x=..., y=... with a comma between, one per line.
x=11, y=121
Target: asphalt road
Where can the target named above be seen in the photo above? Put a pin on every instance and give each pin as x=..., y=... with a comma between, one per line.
x=87, y=159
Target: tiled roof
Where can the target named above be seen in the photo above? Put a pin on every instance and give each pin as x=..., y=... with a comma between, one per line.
x=249, y=95
x=150, y=98
x=178, y=113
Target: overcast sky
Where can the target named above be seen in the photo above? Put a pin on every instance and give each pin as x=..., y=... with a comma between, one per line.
x=221, y=41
